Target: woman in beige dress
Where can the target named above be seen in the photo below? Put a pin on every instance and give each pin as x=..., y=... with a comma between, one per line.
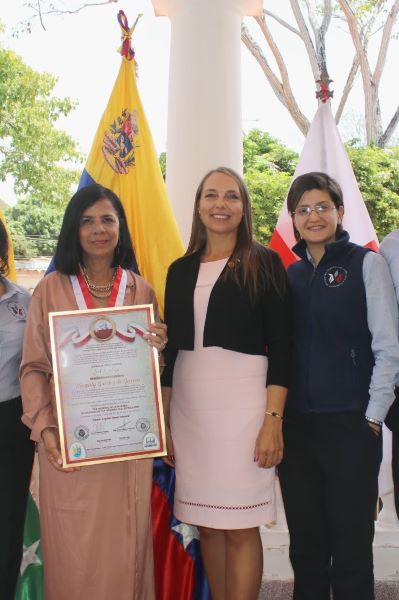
x=95, y=521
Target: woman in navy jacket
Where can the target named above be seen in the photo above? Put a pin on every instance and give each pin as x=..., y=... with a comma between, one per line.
x=345, y=359
x=225, y=383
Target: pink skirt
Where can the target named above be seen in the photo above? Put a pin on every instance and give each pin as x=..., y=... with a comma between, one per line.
x=217, y=408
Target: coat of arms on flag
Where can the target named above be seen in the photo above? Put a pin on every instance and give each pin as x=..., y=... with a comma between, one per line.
x=118, y=142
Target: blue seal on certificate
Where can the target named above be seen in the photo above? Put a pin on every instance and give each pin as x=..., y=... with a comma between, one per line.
x=142, y=425
x=77, y=451
x=150, y=441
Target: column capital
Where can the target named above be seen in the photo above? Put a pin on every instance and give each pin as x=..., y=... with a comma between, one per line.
x=247, y=8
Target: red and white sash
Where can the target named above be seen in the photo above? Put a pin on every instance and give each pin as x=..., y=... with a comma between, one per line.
x=83, y=297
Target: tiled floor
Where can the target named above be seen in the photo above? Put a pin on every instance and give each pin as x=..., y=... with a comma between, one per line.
x=282, y=590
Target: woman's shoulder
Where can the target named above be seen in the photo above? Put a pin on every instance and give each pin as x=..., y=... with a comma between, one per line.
x=18, y=289
x=374, y=260
x=183, y=263
x=139, y=283
x=51, y=279
x=185, y=260
x=51, y=283
x=266, y=253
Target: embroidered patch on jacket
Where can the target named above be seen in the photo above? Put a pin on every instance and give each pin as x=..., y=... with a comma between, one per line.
x=335, y=276
x=17, y=310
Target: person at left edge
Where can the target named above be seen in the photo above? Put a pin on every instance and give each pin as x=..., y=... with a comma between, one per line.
x=95, y=521
x=16, y=450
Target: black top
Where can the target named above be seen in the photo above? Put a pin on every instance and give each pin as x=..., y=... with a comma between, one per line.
x=234, y=322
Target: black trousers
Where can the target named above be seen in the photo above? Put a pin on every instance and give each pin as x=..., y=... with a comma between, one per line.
x=16, y=459
x=329, y=483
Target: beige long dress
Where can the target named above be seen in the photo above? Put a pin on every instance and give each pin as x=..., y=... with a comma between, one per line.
x=95, y=523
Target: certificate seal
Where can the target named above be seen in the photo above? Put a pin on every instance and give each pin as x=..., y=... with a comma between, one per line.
x=81, y=432
x=102, y=328
x=77, y=451
x=150, y=441
x=142, y=425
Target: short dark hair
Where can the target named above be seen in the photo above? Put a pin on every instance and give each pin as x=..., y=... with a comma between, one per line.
x=4, y=267
x=68, y=254
x=314, y=180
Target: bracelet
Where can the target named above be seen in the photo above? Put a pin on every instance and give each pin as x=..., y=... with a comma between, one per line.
x=370, y=420
x=274, y=414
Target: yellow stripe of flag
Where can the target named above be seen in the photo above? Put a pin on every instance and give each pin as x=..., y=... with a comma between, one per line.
x=123, y=158
x=11, y=263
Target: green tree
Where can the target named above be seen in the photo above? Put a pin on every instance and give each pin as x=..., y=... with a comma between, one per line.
x=162, y=163
x=377, y=173
x=38, y=156
x=269, y=167
x=268, y=170
x=34, y=227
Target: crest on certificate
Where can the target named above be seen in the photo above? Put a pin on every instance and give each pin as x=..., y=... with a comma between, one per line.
x=102, y=328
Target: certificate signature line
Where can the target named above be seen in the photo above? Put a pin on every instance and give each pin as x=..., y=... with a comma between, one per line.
x=123, y=426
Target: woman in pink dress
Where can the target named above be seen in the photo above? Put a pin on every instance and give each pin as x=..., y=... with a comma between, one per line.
x=225, y=383
x=95, y=521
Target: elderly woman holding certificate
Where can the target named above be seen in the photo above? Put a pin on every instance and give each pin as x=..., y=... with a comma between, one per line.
x=95, y=521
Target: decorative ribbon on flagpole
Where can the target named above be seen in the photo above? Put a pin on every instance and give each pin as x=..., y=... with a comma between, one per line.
x=324, y=93
x=126, y=49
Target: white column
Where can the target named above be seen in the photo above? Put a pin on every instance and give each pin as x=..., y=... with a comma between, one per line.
x=204, y=103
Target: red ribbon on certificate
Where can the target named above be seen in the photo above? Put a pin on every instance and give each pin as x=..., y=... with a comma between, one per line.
x=73, y=335
x=130, y=334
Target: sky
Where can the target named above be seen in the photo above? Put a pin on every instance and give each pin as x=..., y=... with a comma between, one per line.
x=81, y=50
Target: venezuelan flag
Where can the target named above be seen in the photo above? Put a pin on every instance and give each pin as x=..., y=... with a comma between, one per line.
x=123, y=159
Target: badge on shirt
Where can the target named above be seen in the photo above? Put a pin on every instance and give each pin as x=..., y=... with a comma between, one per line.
x=335, y=276
x=17, y=310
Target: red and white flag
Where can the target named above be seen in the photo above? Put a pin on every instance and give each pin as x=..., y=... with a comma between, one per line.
x=324, y=151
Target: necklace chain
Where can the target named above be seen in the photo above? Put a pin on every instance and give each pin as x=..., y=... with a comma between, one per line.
x=99, y=291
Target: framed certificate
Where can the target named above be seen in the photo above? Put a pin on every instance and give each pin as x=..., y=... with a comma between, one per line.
x=107, y=385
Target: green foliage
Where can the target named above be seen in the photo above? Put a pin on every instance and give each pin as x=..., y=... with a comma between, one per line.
x=269, y=167
x=34, y=227
x=162, y=163
x=265, y=153
x=37, y=155
x=268, y=190
x=268, y=170
x=377, y=173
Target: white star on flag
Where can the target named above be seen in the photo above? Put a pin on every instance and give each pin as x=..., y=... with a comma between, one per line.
x=30, y=557
x=188, y=532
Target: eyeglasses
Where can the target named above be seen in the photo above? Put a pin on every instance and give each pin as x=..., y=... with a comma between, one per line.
x=319, y=209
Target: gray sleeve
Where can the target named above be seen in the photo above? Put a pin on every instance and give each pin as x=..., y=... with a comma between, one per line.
x=390, y=251
x=382, y=319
